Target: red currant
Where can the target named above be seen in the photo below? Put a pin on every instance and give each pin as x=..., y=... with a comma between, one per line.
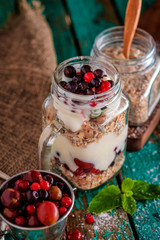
x=66, y=201
x=74, y=234
x=35, y=186
x=62, y=210
x=88, y=76
x=89, y=218
x=30, y=209
x=105, y=86
x=44, y=185
x=20, y=221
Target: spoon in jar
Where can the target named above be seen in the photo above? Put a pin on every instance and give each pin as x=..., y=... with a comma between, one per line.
x=131, y=21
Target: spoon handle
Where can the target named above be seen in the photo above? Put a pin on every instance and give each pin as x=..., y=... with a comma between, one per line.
x=131, y=21
x=3, y=175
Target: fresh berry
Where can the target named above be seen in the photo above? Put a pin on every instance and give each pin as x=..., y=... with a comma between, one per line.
x=55, y=193
x=10, y=214
x=98, y=73
x=43, y=194
x=20, y=221
x=23, y=186
x=11, y=198
x=105, y=86
x=48, y=177
x=62, y=210
x=85, y=68
x=44, y=185
x=32, y=196
x=94, y=170
x=47, y=213
x=89, y=218
x=72, y=86
x=69, y=71
x=74, y=234
x=33, y=176
x=17, y=183
x=88, y=76
x=82, y=164
x=96, y=82
x=77, y=78
x=30, y=209
x=59, y=185
x=32, y=221
x=35, y=187
x=66, y=201
x=83, y=86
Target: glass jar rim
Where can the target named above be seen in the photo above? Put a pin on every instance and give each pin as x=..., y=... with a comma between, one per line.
x=129, y=62
x=100, y=96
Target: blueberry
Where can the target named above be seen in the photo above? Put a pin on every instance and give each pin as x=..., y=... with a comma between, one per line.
x=98, y=73
x=89, y=92
x=43, y=194
x=59, y=184
x=72, y=86
x=49, y=179
x=69, y=71
x=96, y=82
x=77, y=78
x=111, y=82
x=83, y=85
x=63, y=84
x=85, y=68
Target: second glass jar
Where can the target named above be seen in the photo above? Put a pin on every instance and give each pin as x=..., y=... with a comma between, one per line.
x=84, y=136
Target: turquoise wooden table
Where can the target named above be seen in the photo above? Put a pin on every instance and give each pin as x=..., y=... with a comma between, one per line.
x=75, y=24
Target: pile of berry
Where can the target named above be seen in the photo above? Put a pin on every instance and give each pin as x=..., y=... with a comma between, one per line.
x=35, y=200
x=87, y=81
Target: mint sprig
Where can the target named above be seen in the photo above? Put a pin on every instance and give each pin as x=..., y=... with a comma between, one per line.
x=131, y=190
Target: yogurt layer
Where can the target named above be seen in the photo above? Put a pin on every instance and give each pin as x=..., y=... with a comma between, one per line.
x=100, y=153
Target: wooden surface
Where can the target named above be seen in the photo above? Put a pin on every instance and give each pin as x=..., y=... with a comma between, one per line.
x=75, y=24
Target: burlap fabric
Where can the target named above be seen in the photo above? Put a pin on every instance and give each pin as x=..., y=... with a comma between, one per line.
x=27, y=60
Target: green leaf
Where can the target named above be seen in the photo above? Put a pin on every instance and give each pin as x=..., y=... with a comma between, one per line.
x=107, y=199
x=128, y=204
x=127, y=185
x=143, y=190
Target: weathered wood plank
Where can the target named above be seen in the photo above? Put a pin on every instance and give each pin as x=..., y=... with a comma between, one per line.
x=145, y=165
x=120, y=6
x=89, y=18
x=59, y=22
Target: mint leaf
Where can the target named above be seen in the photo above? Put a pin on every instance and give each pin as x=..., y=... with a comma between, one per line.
x=143, y=190
x=107, y=199
x=128, y=204
x=127, y=185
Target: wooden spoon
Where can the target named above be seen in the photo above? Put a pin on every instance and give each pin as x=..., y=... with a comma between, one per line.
x=131, y=21
x=4, y=176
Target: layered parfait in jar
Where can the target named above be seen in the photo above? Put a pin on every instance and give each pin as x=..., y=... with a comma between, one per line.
x=84, y=123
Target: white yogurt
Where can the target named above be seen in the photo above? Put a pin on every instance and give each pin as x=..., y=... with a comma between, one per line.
x=100, y=153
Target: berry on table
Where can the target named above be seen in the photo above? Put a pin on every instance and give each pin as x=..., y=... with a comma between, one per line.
x=89, y=218
x=74, y=234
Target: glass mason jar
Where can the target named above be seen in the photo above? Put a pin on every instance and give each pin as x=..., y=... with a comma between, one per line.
x=139, y=75
x=84, y=136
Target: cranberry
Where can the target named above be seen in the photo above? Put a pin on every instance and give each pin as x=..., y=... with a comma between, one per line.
x=74, y=234
x=62, y=210
x=98, y=73
x=23, y=186
x=105, y=85
x=20, y=221
x=35, y=186
x=88, y=76
x=30, y=209
x=69, y=71
x=66, y=201
x=44, y=185
x=89, y=218
x=72, y=86
x=48, y=177
x=85, y=68
x=43, y=194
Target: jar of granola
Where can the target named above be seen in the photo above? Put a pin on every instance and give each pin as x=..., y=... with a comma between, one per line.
x=139, y=74
x=85, y=123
